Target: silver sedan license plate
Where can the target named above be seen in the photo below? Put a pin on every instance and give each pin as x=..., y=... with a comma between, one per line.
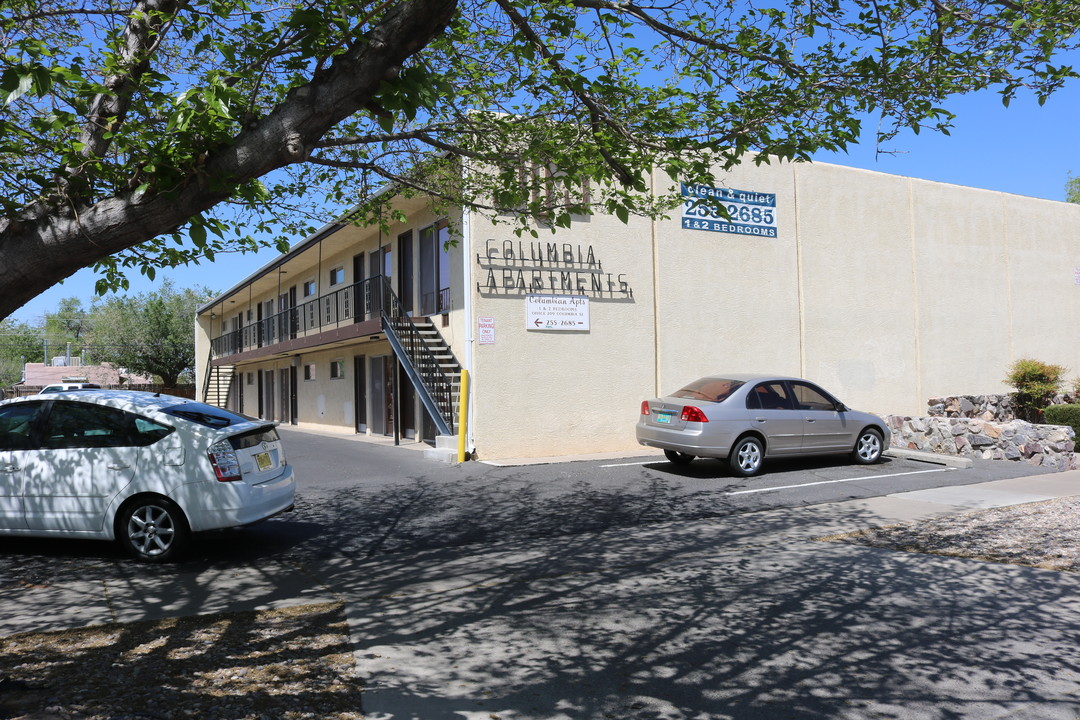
x=263, y=461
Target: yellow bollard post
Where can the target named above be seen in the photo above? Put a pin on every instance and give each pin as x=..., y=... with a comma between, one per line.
x=463, y=416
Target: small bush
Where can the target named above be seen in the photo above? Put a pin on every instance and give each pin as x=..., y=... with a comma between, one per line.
x=1036, y=383
x=1064, y=415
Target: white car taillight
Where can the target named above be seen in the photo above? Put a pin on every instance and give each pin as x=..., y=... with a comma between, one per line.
x=226, y=464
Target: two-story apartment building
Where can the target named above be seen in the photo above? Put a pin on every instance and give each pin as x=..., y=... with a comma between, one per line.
x=887, y=290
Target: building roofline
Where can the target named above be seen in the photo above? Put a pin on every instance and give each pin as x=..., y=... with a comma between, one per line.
x=342, y=220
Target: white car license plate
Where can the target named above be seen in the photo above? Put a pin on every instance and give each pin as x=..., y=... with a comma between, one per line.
x=263, y=461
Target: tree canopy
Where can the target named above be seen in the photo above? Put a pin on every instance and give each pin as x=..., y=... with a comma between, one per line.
x=159, y=132
x=149, y=333
x=146, y=334
x=1072, y=189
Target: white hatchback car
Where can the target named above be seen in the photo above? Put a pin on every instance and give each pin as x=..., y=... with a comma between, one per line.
x=144, y=469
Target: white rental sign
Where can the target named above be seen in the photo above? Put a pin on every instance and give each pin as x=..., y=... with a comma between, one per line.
x=556, y=312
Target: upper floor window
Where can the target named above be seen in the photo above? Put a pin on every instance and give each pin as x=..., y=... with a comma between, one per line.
x=337, y=276
x=309, y=288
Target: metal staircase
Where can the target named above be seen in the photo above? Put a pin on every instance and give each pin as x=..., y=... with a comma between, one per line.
x=427, y=360
x=218, y=385
x=419, y=346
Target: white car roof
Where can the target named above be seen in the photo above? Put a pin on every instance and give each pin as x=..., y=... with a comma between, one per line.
x=124, y=399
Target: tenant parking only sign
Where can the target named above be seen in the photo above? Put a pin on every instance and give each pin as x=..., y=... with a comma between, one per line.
x=748, y=212
x=556, y=312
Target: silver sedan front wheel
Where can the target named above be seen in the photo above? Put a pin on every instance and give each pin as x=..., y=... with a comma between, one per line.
x=868, y=447
x=746, y=457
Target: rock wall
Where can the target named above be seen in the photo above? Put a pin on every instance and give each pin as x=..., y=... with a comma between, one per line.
x=1018, y=440
x=995, y=408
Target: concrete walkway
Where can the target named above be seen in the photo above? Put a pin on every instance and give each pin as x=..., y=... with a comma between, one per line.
x=739, y=617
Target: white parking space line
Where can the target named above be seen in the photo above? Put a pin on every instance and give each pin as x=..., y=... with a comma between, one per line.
x=647, y=462
x=830, y=482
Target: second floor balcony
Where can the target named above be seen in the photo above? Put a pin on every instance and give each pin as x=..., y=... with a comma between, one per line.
x=360, y=302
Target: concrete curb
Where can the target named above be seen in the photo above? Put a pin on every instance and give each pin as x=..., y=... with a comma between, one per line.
x=956, y=461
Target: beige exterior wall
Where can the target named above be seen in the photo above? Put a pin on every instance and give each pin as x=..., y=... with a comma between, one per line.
x=543, y=392
x=886, y=290
x=855, y=267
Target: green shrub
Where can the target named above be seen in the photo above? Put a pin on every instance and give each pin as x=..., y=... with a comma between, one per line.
x=1064, y=415
x=1036, y=383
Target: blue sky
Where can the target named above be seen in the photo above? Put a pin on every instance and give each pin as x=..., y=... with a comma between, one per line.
x=1024, y=149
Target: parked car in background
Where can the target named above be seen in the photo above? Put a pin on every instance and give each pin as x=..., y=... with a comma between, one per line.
x=64, y=387
x=144, y=469
x=746, y=419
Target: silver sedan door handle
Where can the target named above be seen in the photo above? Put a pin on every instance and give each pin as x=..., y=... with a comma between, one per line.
x=10, y=468
x=760, y=420
x=119, y=467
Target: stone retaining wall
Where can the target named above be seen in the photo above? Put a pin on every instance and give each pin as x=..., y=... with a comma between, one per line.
x=1044, y=445
x=996, y=408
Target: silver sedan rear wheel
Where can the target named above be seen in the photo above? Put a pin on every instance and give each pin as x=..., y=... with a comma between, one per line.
x=746, y=456
x=868, y=447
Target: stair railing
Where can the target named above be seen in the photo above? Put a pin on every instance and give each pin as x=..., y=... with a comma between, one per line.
x=206, y=378
x=432, y=385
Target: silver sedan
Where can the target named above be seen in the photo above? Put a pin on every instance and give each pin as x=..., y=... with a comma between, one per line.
x=747, y=418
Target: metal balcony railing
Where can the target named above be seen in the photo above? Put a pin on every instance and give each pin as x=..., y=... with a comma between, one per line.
x=368, y=299
x=361, y=301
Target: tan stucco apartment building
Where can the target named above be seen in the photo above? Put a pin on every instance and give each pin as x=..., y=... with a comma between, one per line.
x=886, y=290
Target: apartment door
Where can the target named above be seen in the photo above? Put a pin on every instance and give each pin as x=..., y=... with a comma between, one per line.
x=360, y=289
x=360, y=392
x=268, y=395
x=268, y=327
x=236, y=393
x=407, y=406
x=285, y=391
x=294, y=415
x=434, y=270
x=380, y=263
x=259, y=393
x=286, y=319
x=382, y=395
x=406, y=285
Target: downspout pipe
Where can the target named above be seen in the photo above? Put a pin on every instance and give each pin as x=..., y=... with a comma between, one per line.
x=470, y=324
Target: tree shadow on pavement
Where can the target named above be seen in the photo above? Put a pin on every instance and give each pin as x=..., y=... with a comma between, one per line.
x=695, y=622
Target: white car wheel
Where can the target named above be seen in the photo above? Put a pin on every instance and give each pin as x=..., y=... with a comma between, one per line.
x=153, y=529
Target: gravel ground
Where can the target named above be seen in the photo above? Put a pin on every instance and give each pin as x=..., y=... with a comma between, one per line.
x=1041, y=534
x=287, y=664
x=296, y=663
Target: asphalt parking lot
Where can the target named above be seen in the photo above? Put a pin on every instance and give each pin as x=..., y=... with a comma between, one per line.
x=360, y=499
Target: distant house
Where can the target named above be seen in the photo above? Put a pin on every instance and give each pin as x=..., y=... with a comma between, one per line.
x=106, y=375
